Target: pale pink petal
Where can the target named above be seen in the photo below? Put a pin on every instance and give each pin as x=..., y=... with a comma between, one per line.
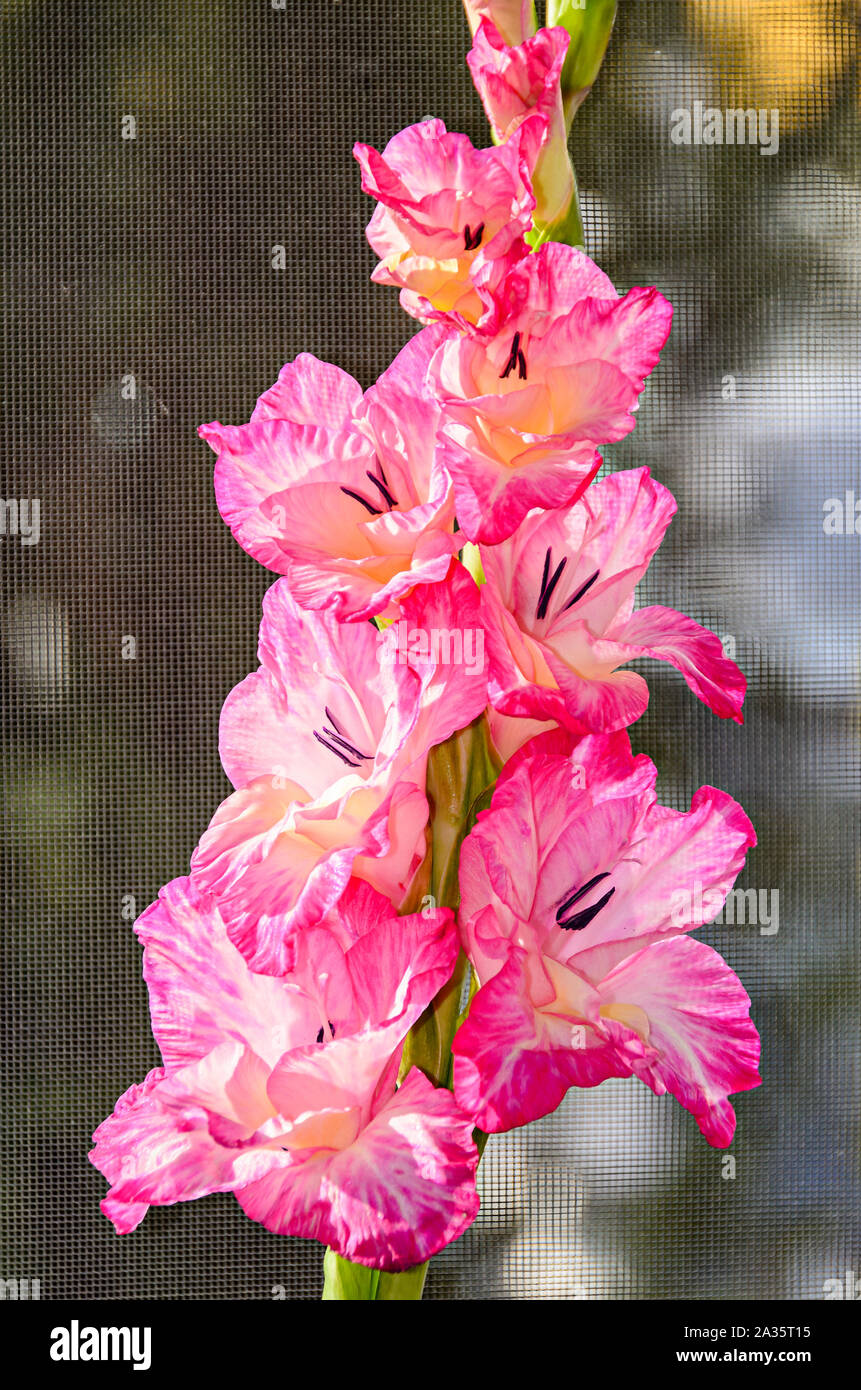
x=699, y=851
x=261, y=465
x=600, y=703
x=401, y=414
x=700, y=1044
x=201, y=990
x=276, y=863
x=403, y=550
x=515, y=19
x=341, y=1076
x=396, y=1196
x=310, y=392
x=508, y=734
x=156, y=1150
x=567, y=812
x=314, y=670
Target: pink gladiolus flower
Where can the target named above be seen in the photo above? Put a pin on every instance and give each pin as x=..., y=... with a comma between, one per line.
x=327, y=744
x=525, y=407
x=520, y=89
x=283, y=1090
x=573, y=892
x=515, y=19
x=446, y=212
x=342, y=493
x=559, y=600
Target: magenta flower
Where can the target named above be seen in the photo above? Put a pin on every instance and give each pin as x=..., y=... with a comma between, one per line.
x=343, y=493
x=561, y=622
x=525, y=407
x=283, y=1090
x=520, y=89
x=569, y=916
x=327, y=744
x=446, y=212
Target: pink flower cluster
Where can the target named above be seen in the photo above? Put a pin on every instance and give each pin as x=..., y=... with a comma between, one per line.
x=286, y=971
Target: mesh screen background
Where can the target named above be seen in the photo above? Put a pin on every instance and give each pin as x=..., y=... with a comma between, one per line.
x=153, y=258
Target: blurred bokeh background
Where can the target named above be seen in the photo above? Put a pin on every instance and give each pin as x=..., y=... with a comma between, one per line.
x=157, y=157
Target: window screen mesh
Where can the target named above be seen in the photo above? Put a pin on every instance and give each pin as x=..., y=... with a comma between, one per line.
x=144, y=293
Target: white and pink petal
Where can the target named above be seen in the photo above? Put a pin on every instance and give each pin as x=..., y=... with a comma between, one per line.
x=403, y=1190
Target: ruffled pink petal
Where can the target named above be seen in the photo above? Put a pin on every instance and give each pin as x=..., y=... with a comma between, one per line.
x=404, y=1189
x=200, y=988
x=526, y=405
x=333, y=700
x=586, y=812
x=549, y=283
x=560, y=660
x=492, y=497
x=369, y=966
x=527, y=678
x=676, y=857
x=158, y=1148
x=699, y=1042
x=310, y=392
x=441, y=633
x=438, y=184
x=602, y=704
x=352, y=504
x=114, y=1154
x=405, y=549
x=314, y=670
x=665, y=635
x=542, y=803
x=262, y=464
x=629, y=331
x=514, y=1062
x=276, y=863
x=607, y=541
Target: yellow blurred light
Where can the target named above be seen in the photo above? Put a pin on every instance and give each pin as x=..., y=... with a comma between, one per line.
x=784, y=54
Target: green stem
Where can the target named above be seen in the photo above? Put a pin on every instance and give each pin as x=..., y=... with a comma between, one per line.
x=460, y=772
x=348, y=1282
x=402, y=1288
x=569, y=227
